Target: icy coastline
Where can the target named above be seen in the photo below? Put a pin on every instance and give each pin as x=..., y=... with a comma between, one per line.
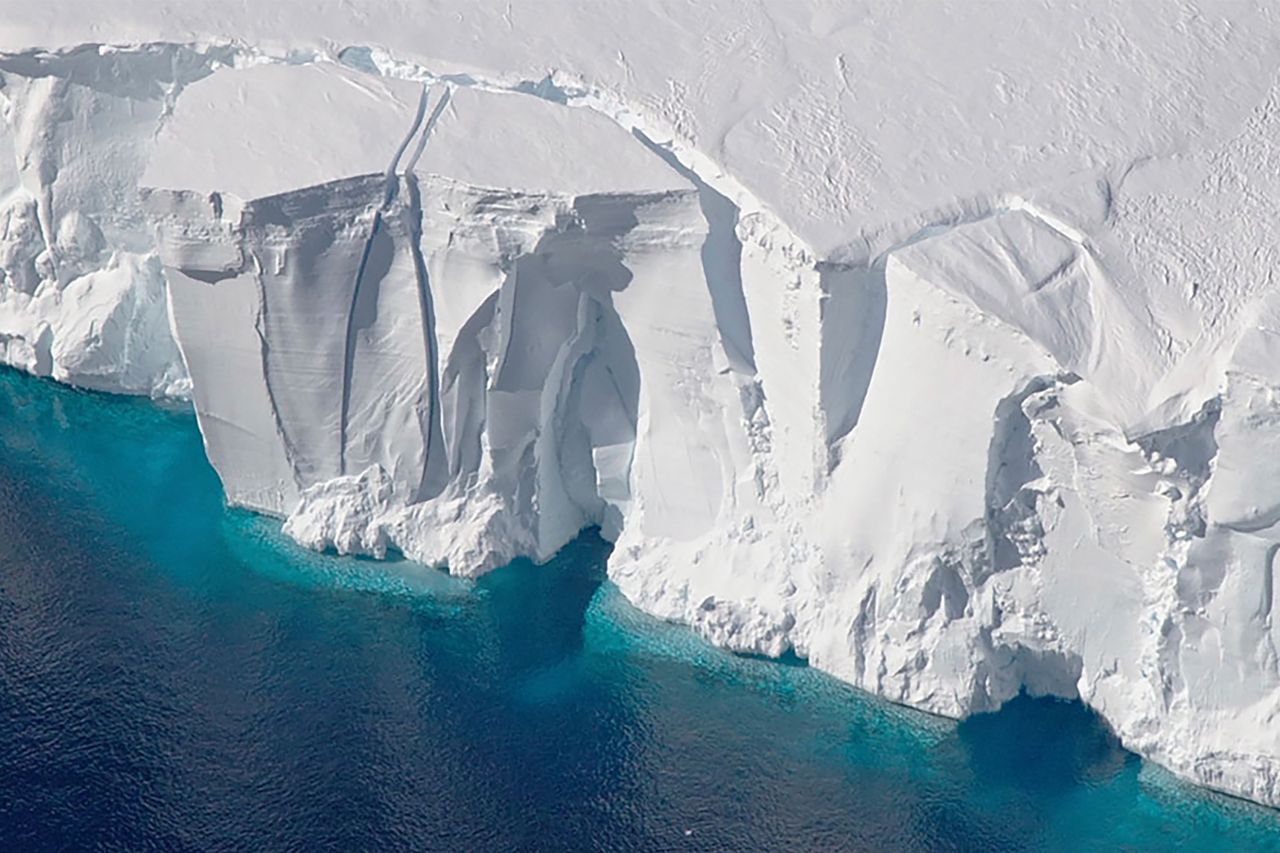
x=1020, y=440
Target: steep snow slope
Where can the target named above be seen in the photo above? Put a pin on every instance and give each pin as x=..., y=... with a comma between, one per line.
x=941, y=351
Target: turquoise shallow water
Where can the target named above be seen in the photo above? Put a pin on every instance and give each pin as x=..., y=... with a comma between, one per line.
x=175, y=675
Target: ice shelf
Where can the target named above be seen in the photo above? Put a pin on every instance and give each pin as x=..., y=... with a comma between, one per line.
x=947, y=359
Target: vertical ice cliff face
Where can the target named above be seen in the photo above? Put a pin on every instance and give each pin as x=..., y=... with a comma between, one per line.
x=82, y=294
x=464, y=373
x=984, y=441
x=315, y=301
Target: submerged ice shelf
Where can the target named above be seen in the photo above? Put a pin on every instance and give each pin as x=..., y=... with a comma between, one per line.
x=1006, y=428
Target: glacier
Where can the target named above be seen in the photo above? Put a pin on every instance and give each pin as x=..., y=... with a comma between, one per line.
x=954, y=371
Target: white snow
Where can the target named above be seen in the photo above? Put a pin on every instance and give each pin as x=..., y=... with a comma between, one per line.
x=940, y=348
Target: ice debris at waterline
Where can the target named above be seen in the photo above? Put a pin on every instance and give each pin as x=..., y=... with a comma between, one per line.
x=952, y=371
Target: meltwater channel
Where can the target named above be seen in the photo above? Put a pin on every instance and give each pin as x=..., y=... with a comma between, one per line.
x=176, y=675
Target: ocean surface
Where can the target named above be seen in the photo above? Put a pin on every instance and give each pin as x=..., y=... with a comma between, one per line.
x=175, y=675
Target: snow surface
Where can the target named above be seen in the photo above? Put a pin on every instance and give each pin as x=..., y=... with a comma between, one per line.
x=939, y=348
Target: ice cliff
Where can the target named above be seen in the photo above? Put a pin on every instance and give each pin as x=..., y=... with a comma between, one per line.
x=955, y=371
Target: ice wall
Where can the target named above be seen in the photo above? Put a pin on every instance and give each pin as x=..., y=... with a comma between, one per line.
x=1015, y=439
x=82, y=297
x=519, y=358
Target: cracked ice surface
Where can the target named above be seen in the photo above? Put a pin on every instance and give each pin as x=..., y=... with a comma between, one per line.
x=952, y=370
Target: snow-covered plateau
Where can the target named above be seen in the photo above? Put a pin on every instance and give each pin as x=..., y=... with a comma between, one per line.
x=936, y=342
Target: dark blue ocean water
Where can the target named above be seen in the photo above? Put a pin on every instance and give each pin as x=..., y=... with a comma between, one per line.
x=174, y=675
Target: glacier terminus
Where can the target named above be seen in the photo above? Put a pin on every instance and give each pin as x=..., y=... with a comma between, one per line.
x=934, y=343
